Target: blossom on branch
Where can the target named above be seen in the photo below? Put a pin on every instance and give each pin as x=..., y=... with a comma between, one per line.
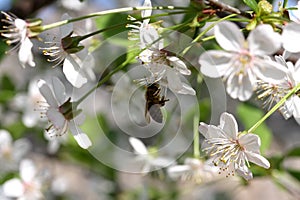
x=163, y=67
x=242, y=61
x=231, y=150
x=61, y=114
x=17, y=32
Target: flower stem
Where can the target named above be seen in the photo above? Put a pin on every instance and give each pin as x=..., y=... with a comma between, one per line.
x=106, y=12
x=278, y=105
x=196, y=141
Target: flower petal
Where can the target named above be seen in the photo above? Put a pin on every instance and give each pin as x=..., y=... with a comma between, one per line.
x=263, y=40
x=27, y=170
x=56, y=118
x=244, y=172
x=177, y=171
x=229, y=36
x=268, y=70
x=73, y=72
x=215, y=63
x=290, y=34
x=13, y=188
x=179, y=65
x=138, y=146
x=5, y=138
x=229, y=125
x=146, y=13
x=82, y=139
x=47, y=93
x=258, y=160
x=296, y=113
x=25, y=53
x=251, y=142
x=240, y=86
x=59, y=90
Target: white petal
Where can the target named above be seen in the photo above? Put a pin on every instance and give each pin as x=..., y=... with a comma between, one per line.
x=27, y=170
x=251, y=142
x=82, y=139
x=56, y=118
x=149, y=37
x=244, y=172
x=268, y=70
x=47, y=93
x=296, y=112
x=59, y=90
x=73, y=72
x=229, y=125
x=25, y=53
x=174, y=82
x=290, y=34
x=179, y=65
x=138, y=146
x=215, y=63
x=263, y=40
x=88, y=65
x=5, y=138
x=258, y=160
x=146, y=13
x=176, y=171
x=203, y=129
x=239, y=86
x=229, y=36
x=66, y=29
x=13, y=188
x=187, y=89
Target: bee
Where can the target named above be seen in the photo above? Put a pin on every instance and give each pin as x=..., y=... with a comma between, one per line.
x=154, y=102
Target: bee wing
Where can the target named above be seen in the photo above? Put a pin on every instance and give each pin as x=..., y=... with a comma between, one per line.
x=156, y=113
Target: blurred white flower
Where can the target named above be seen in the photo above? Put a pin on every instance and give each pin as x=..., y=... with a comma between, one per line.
x=11, y=152
x=60, y=113
x=274, y=92
x=78, y=63
x=232, y=150
x=164, y=68
x=28, y=187
x=17, y=33
x=150, y=161
x=55, y=142
x=242, y=61
x=193, y=169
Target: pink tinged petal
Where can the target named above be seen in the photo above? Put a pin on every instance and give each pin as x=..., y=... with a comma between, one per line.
x=146, y=13
x=25, y=53
x=179, y=65
x=251, y=142
x=59, y=90
x=13, y=188
x=215, y=63
x=81, y=138
x=239, y=87
x=73, y=72
x=27, y=171
x=56, y=118
x=258, y=159
x=138, y=146
x=263, y=40
x=66, y=29
x=268, y=70
x=47, y=93
x=229, y=125
x=229, y=36
x=291, y=34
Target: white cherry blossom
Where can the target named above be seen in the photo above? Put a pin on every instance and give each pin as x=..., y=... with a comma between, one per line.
x=77, y=62
x=274, y=92
x=28, y=187
x=11, y=152
x=232, y=150
x=60, y=113
x=17, y=33
x=150, y=162
x=242, y=61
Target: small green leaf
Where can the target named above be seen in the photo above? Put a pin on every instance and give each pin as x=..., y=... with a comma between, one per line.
x=252, y=4
x=249, y=115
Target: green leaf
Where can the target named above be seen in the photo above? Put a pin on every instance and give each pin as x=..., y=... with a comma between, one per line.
x=294, y=173
x=252, y=4
x=294, y=152
x=112, y=20
x=249, y=115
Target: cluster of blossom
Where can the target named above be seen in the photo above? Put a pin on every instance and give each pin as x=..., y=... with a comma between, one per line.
x=245, y=65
